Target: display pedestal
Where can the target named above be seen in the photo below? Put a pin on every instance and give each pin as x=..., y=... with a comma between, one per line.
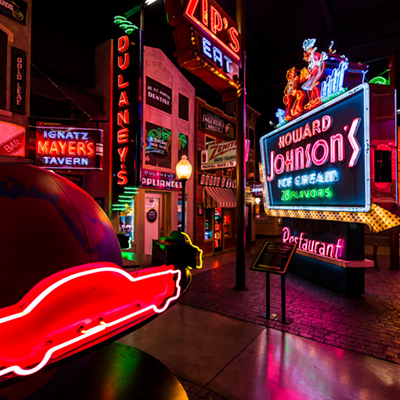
x=122, y=372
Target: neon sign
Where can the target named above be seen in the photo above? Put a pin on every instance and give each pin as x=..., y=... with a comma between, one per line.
x=327, y=76
x=127, y=130
x=215, y=54
x=321, y=160
x=325, y=249
x=208, y=43
x=96, y=303
x=68, y=148
x=212, y=20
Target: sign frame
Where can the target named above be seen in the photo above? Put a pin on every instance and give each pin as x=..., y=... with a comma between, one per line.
x=365, y=149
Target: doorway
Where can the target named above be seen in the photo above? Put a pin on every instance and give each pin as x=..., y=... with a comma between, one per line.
x=152, y=219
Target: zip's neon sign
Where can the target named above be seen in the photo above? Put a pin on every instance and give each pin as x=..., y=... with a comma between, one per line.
x=325, y=249
x=211, y=19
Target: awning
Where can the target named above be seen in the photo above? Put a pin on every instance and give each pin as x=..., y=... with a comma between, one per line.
x=218, y=197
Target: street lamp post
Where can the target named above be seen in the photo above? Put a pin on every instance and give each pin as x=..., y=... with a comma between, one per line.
x=183, y=171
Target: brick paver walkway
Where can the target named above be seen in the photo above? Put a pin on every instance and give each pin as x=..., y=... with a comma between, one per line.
x=369, y=324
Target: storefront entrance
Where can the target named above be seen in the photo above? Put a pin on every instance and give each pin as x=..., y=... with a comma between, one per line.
x=152, y=219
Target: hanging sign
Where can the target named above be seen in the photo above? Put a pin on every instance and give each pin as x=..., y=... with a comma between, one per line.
x=18, y=96
x=321, y=161
x=14, y=9
x=69, y=148
x=217, y=181
x=208, y=42
x=127, y=130
x=221, y=155
x=213, y=123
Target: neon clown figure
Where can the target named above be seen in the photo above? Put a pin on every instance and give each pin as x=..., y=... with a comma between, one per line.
x=311, y=75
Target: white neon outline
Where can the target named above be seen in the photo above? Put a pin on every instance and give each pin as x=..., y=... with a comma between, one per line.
x=364, y=88
x=355, y=145
x=21, y=371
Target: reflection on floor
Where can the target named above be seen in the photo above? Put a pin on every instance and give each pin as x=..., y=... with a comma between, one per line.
x=219, y=357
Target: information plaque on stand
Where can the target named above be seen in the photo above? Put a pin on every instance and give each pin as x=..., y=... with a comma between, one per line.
x=274, y=258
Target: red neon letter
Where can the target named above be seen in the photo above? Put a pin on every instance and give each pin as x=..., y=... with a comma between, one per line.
x=123, y=117
x=340, y=148
x=122, y=176
x=123, y=100
x=233, y=35
x=121, y=83
x=122, y=153
x=125, y=64
x=216, y=20
x=320, y=143
x=123, y=44
x=204, y=12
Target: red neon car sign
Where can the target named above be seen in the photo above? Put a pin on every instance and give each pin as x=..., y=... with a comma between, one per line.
x=77, y=308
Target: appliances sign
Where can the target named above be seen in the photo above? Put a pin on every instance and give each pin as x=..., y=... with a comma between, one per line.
x=321, y=161
x=69, y=148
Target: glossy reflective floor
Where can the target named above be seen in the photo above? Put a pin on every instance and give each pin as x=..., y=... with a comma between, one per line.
x=240, y=360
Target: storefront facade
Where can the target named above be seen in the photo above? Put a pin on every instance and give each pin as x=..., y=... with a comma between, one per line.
x=215, y=178
x=168, y=134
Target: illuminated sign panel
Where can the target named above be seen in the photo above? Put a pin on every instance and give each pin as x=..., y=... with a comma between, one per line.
x=221, y=155
x=320, y=161
x=126, y=114
x=211, y=19
x=69, y=148
x=208, y=42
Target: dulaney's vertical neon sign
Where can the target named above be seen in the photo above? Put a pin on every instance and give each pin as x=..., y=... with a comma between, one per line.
x=122, y=110
x=126, y=114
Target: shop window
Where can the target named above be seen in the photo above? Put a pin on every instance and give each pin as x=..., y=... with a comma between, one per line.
x=227, y=222
x=383, y=166
x=127, y=222
x=3, y=69
x=180, y=211
x=183, y=107
x=208, y=224
x=250, y=170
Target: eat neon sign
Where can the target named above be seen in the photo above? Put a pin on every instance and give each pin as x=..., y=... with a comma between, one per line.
x=77, y=308
x=212, y=20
